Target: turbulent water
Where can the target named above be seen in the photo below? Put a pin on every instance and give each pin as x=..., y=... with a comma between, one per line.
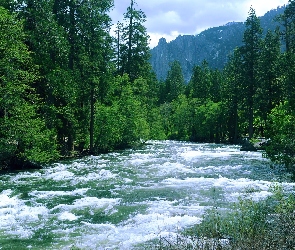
x=124, y=199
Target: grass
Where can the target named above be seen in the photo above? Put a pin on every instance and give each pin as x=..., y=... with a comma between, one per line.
x=267, y=224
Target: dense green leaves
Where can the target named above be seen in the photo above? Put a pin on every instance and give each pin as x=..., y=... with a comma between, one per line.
x=281, y=130
x=23, y=133
x=122, y=123
x=174, y=84
x=67, y=87
x=250, y=56
x=133, y=44
x=58, y=91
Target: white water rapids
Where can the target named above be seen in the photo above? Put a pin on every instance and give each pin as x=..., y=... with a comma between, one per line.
x=124, y=199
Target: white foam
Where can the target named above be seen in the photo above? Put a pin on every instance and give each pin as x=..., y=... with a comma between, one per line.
x=165, y=168
x=190, y=155
x=67, y=216
x=194, y=155
x=24, y=177
x=49, y=194
x=94, y=203
x=5, y=200
x=173, y=167
x=138, y=158
x=101, y=175
x=61, y=175
x=15, y=215
x=214, y=169
x=174, y=182
x=138, y=229
x=176, y=207
x=255, y=196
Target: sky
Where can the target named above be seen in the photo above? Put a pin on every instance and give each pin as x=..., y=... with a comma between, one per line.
x=171, y=18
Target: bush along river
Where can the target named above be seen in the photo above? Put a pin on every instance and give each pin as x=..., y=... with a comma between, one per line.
x=123, y=200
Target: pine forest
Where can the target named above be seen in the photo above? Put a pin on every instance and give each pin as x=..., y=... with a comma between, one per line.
x=69, y=88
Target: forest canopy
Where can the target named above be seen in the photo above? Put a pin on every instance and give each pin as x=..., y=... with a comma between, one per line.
x=68, y=87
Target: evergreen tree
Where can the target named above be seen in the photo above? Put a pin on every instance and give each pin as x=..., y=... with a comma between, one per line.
x=75, y=64
x=122, y=122
x=200, y=84
x=287, y=21
x=231, y=93
x=174, y=83
x=250, y=56
x=216, y=79
x=134, y=44
x=23, y=133
x=281, y=131
x=95, y=54
x=269, y=90
x=57, y=85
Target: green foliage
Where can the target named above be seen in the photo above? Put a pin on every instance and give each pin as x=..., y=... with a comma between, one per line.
x=231, y=92
x=181, y=119
x=281, y=147
x=122, y=123
x=133, y=44
x=80, y=89
x=156, y=124
x=270, y=89
x=200, y=85
x=174, y=84
x=249, y=224
x=206, y=121
x=108, y=127
x=250, y=56
x=287, y=21
x=23, y=133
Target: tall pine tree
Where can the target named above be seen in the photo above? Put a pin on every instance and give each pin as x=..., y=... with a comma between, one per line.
x=23, y=135
x=134, y=44
x=250, y=56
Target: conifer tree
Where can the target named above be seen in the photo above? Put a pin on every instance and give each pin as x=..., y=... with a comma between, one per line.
x=95, y=54
x=250, y=56
x=174, y=83
x=134, y=46
x=200, y=83
x=23, y=134
x=287, y=21
x=269, y=90
x=232, y=93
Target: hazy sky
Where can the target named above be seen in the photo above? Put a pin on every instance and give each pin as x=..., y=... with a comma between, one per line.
x=170, y=18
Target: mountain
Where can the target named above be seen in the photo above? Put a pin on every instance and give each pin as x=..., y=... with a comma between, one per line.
x=213, y=45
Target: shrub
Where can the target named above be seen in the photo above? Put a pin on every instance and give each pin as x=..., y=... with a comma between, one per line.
x=266, y=224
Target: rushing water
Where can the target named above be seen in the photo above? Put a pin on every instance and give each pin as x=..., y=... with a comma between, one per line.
x=122, y=200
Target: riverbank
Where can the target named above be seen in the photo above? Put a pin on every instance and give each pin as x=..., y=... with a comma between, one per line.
x=15, y=164
x=11, y=164
x=264, y=224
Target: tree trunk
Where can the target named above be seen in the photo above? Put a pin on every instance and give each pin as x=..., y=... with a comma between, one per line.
x=92, y=119
x=130, y=40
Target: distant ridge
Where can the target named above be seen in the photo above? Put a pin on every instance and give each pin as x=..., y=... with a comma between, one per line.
x=213, y=45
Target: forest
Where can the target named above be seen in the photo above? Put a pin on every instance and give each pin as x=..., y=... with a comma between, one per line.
x=69, y=88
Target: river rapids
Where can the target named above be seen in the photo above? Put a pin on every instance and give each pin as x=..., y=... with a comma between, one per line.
x=123, y=200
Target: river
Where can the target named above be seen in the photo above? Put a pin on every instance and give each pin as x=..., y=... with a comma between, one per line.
x=124, y=199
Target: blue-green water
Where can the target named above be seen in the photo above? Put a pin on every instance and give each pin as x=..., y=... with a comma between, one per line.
x=122, y=200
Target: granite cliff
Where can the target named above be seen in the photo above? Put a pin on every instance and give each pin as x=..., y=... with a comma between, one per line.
x=213, y=45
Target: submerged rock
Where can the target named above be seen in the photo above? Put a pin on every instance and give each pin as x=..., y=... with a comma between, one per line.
x=248, y=147
x=259, y=144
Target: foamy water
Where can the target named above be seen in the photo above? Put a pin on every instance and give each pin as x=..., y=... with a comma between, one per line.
x=124, y=199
